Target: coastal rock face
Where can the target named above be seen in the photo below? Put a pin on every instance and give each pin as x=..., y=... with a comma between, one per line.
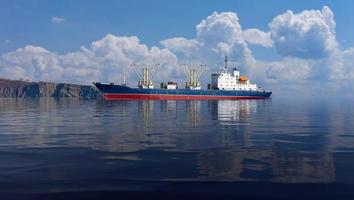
x=25, y=89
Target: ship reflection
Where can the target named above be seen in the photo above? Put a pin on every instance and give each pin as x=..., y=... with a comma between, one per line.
x=170, y=105
x=233, y=112
x=215, y=140
x=226, y=137
x=145, y=108
x=250, y=155
x=193, y=110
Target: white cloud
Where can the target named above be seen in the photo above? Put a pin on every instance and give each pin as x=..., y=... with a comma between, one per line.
x=219, y=27
x=57, y=20
x=180, y=44
x=103, y=60
x=30, y=62
x=112, y=53
x=311, y=58
x=289, y=69
x=341, y=65
x=309, y=34
x=225, y=28
x=255, y=36
x=217, y=35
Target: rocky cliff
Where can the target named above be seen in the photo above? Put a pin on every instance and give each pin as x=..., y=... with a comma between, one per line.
x=25, y=89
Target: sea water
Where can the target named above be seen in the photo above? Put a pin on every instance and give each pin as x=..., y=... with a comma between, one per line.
x=250, y=148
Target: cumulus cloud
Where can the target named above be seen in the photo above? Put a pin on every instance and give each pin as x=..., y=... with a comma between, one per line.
x=180, y=44
x=289, y=69
x=217, y=35
x=112, y=53
x=308, y=34
x=256, y=36
x=30, y=61
x=57, y=20
x=307, y=42
x=335, y=69
x=341, y=65
x=103, y=60
x=219, y=28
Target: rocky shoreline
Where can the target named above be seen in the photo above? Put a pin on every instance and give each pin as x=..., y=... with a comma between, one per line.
x=26, y=89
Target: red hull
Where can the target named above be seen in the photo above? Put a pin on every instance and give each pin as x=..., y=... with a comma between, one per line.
x=108, y=96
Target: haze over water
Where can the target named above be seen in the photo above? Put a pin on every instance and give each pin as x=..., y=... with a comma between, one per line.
x=70, y=145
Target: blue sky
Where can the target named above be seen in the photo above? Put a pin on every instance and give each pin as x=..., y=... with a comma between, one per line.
x=29, y=22
x=41, y=39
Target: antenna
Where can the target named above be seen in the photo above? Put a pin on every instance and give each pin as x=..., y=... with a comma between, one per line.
x=124, y=82
x=225, y=63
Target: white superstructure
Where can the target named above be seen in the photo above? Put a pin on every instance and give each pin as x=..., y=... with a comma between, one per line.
x=171, y=87
x=223, y=80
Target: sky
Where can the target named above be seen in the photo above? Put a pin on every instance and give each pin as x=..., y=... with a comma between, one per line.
x=285, y=46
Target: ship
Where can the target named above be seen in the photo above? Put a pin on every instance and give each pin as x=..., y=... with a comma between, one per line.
x=224, y=85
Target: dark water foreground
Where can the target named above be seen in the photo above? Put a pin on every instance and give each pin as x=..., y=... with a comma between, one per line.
x=88, y=149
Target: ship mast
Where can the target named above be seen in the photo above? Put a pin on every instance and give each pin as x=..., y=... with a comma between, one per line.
x=145, y=73
x=225, y=67
x=124, y=81
x=193, y=74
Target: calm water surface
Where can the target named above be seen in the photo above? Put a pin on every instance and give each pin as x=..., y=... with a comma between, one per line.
x=50, y=146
